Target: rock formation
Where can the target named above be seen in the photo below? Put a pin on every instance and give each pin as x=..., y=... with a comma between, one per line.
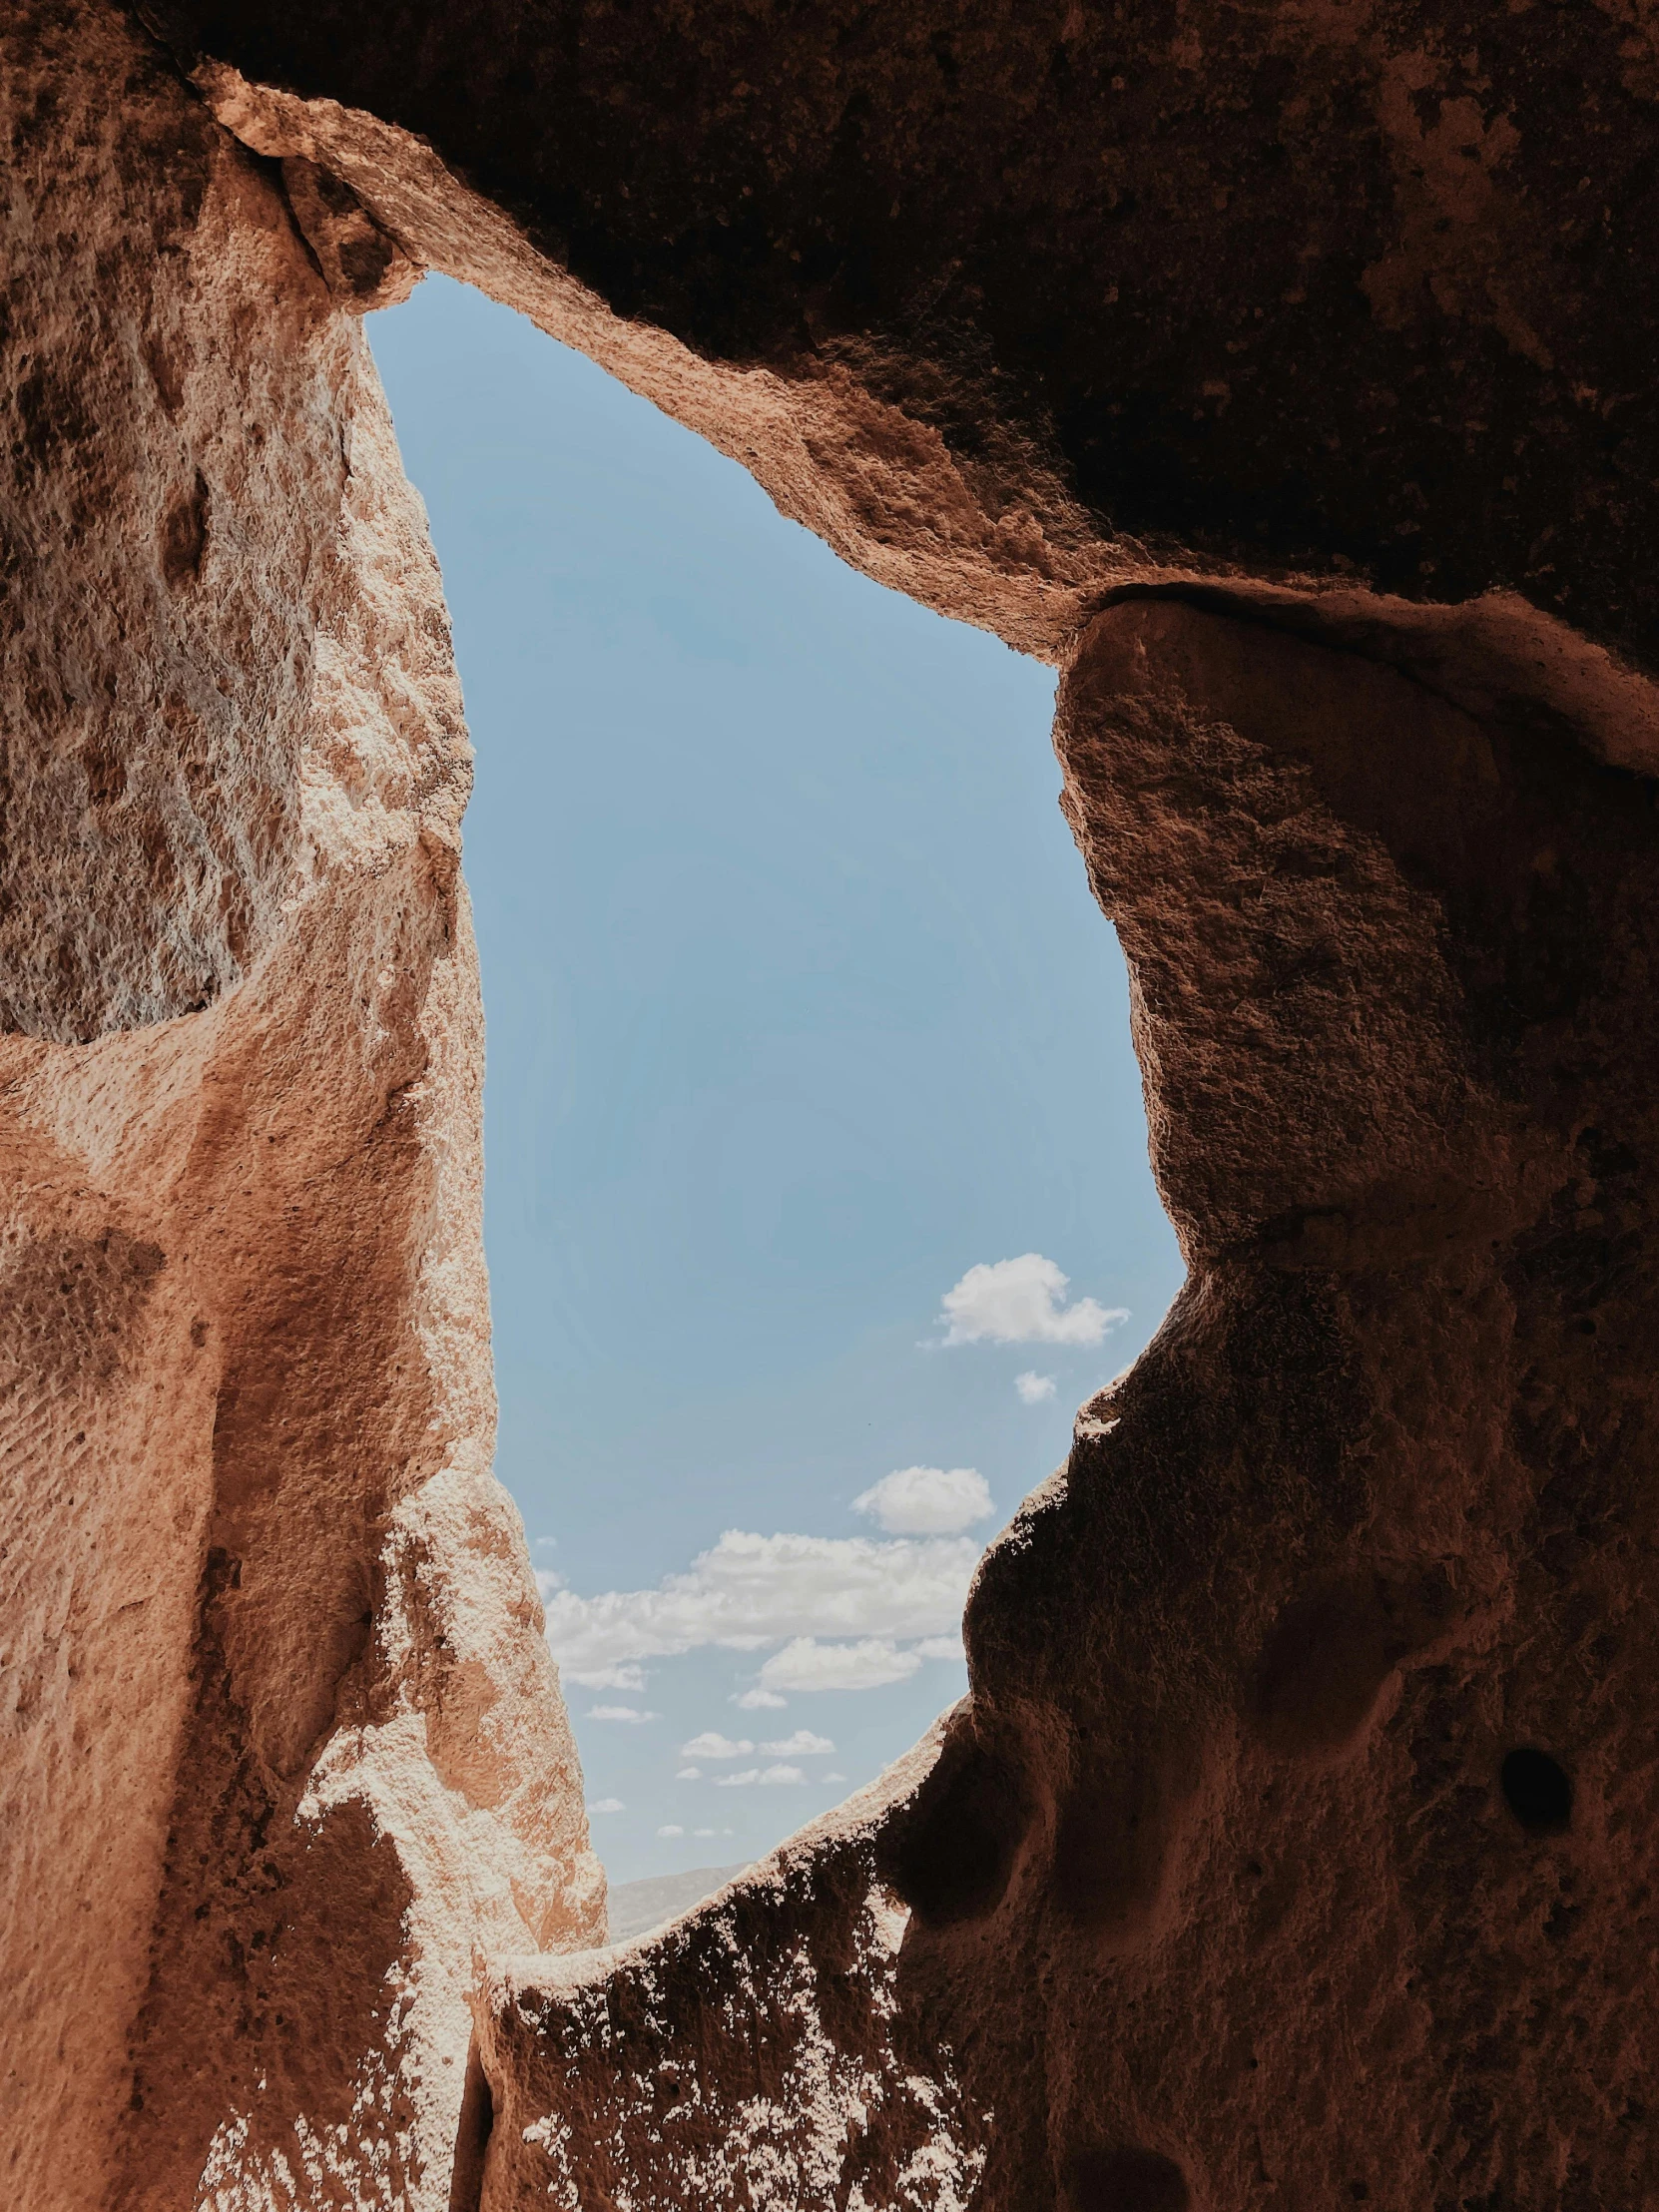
x=1282, y=373
x=284, y=1747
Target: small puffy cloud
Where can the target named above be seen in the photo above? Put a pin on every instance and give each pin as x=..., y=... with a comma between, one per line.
x=940, y=1647
x=608, y=1678
x=606, y=1804
x=671, y=1830
x=927, y=1501
x=621, y=1713
x=831, y=1778
x=713, y=1745
x=547, y=1543
x=1034, y=1388
x=868, y=1664
x=710, y=1831
x=749, y=1591
x=688, y=1774
x=765, y=1777
x=758, y=1700
x=801, y=1745
x=1021, y=1302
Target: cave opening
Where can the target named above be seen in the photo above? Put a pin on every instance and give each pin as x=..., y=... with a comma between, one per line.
x=816, y=1190
x=296, y=1820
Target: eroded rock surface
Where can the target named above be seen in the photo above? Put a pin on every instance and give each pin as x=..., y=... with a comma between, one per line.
x=1285, y=374
x=282, y=1745
x=756, y=2053
x=1368, y=1517
x=1296, y=1844
x=1057, y=290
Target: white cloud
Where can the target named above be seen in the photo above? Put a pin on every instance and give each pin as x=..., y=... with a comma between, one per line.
x=749, y=1591
x=621, y=1713
x=768, y=1778
x=940, y=1647
x=670, y=1831
x=713, y=1745
x=807, y=1664
x=710, y=1831
x=688, y=1774
x=606, y=1804
x=801, y=1745
x=607, y=1678
x=927, y=1501
x=1017, y=1302
x=758, y=1700
x=1033, y=1389
x=831, y=1778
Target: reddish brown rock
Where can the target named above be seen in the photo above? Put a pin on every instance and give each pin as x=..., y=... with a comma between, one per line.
x=1319, y=1678
x=1286, y=377
x=1314, y=290
x=1295, y=1845
x=283, y=1746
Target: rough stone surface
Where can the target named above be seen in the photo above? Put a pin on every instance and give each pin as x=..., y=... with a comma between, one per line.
x=283, y=1746
x=1059, y=290
x=754, y=2054
x=1370, y=1515
x=1224, y=1887
x=1284, y=374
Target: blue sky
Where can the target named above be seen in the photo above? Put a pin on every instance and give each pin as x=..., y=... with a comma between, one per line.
x=798, y=1011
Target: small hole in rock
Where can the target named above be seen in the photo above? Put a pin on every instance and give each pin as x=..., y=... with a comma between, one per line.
x=1127, y=2179
x=1537, y=1791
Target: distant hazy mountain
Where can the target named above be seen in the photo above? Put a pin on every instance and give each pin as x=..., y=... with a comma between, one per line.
x=639, y=1906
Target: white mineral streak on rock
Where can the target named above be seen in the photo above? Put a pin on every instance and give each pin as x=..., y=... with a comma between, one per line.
x=748, y=2055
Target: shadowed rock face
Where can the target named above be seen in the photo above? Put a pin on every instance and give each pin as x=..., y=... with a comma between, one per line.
x=1329, y=288
x=1296, y=1840
x=1286, y=377
x=1369, y=1519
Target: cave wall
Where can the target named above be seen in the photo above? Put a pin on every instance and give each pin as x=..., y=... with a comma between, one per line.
x=1334, y=289
x=1295, y=1845
x=283, y=1744
x=1284, y=374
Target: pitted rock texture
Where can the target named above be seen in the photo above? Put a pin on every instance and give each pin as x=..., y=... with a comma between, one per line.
x=150, y=790
x=1285, y=376
x=1333, y=289
x=1297, y=1843
x=283, y=1746
x=754, y=2054
x=1368, y=1517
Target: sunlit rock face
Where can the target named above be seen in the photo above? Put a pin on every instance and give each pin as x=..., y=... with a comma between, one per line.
x=1284, y=376
x=1298, y=1830
x=1328, y=289
x=283, y=1746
